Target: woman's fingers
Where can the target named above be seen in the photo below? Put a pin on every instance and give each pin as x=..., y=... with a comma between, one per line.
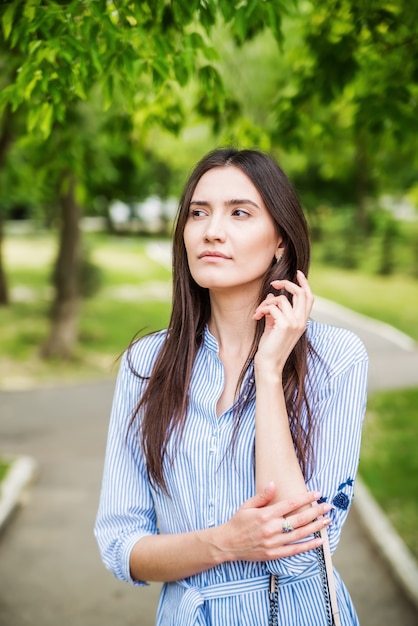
x=302, y=533
x=292, y=523
x=281, y=310
x=290, y=549
x=284, y=507
x=300, y=518
x=261, y=499
x=294, y=518
x=296, y=312
x=292, y=287
x=297, y=290
x=266, y=532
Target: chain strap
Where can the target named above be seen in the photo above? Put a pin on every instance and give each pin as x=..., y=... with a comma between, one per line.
x=274, y=601
x=274, y=590
x=324, y=580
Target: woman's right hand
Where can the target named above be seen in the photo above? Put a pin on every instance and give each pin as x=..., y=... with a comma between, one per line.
x=255, y=532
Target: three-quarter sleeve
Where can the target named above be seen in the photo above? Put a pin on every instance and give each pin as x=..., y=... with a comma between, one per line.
x=340, y=408
x=126, y=509
x=338, y=391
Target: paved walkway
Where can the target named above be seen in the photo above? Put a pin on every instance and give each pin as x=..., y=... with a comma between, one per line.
x=50, y=570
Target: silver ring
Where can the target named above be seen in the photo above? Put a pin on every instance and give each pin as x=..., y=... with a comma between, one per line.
x=287, y=526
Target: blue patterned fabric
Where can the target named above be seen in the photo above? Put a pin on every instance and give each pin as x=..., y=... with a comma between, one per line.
x=208, y=483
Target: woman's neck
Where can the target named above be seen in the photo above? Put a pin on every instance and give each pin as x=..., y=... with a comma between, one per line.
x=232, y=324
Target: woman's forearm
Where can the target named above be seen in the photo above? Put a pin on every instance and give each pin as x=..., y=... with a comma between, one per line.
x=165, y=558
x=276, y=458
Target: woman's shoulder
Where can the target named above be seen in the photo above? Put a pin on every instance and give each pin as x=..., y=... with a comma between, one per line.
x=142, y=352
x=337, y=347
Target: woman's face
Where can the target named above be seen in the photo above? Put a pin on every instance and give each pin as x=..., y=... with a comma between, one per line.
x=230, y=237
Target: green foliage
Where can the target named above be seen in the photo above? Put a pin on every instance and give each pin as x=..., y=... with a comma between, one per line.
x=390, y=248
x=338, y=98
x=64, y=52
x=337, y=101
x=389, y=463
x=65, y=66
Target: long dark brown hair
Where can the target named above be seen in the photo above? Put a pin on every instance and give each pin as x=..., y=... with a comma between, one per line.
x=164, y=403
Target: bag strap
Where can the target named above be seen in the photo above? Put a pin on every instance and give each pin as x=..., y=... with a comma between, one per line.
x=328, y=579
x=274, y=601
x=326, y=571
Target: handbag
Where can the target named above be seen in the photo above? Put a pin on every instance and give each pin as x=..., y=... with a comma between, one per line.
x=326, y=572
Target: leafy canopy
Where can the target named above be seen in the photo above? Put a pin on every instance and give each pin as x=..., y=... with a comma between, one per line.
x=137, y=52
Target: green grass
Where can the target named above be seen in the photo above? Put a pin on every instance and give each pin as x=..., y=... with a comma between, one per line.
x=4, y=468
x=389, y=459
x=390, y=299
x=135, y=296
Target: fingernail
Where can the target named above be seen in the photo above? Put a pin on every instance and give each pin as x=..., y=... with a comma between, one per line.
x=317, y=495
x=326, y=521
x=327, y=507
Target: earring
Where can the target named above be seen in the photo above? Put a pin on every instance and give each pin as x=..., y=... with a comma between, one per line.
x=279, y=258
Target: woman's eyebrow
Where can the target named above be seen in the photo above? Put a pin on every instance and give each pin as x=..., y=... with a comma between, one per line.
x=232, y=202
x=199, y=202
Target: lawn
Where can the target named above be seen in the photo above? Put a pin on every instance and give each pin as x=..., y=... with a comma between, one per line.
x=390, y=299
x=389, y=459
x=135, y=295
x=4, y=468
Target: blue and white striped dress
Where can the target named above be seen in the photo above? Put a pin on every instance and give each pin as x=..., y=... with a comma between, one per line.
x=207, y=484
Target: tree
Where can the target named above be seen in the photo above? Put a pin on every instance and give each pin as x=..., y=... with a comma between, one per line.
x=9, y=63
x=5, y=140
x=337, y=103
x=354, y=92
x=134, y=58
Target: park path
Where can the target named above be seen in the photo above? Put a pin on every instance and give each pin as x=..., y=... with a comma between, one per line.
x=50, y=570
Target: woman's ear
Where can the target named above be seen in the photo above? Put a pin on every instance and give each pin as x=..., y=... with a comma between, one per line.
x=279, y=253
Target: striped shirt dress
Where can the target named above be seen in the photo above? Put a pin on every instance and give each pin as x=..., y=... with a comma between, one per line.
x=208, y=481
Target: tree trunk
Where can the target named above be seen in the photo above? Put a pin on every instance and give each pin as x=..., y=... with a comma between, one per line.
x=363, y=185
x=5, y=141
x=4, y=294
x=66, y=308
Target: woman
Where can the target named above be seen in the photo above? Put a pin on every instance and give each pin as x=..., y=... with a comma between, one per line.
x=234, y=432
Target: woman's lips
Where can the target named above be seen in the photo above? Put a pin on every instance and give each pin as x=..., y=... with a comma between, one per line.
x=212, y=254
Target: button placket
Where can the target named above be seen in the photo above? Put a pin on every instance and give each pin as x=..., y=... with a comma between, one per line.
x=219, y=377
x=213, y=450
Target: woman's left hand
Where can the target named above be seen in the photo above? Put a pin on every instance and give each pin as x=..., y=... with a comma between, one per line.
x=285, y=321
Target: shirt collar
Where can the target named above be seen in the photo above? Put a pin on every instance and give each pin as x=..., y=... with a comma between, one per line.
x=209, y=341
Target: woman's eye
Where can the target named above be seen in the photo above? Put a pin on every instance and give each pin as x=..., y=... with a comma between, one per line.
x=196, y=213
x=240, y=213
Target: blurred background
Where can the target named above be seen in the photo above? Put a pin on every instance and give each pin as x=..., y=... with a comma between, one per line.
x=104, y=109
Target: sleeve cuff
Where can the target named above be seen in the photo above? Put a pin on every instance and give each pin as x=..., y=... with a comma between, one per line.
x=125, y=559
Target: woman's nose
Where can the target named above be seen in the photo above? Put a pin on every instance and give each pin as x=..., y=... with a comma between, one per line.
x=215, y=229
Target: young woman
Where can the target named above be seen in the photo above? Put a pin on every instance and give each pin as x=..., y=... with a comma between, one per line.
x=235, y=433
